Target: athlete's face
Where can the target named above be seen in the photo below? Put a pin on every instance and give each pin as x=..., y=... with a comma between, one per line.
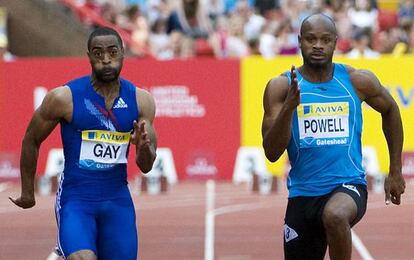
x=317, y=43
x=106, y=56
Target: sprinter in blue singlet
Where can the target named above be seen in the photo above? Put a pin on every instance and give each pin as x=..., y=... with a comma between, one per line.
x=100, y=116
x=314, y=112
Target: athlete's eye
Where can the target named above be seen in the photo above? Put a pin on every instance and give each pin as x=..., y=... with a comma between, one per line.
x=98, y=54
x=326, y=40
x=310, y=39
x=114, y=52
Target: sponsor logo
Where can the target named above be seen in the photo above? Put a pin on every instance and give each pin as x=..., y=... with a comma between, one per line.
x=290, y=233
x=121, y=104
x=351, y=187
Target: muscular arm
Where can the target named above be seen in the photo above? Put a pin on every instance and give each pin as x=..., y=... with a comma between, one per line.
x=144, y=136
x=279, y=102
x=54, y=107
x=374, y=94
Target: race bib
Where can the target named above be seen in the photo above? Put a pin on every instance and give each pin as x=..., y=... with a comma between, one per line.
x=323, y=124
x=102, y=150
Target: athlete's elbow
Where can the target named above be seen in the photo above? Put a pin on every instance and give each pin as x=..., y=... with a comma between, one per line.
x=272, y=157
x=145, y=169
x=271, y=154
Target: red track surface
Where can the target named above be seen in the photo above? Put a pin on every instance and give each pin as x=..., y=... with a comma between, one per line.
x=171, y=225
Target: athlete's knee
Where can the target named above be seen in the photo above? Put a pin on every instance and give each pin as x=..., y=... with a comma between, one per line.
x=335, y=218
x=82, y=255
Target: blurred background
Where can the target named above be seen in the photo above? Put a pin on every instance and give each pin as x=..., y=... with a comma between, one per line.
x=182, y=29
x=206, y=62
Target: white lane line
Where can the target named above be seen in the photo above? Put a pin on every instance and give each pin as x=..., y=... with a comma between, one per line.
x=359, y=246
x=242, y=207
x=209, y=220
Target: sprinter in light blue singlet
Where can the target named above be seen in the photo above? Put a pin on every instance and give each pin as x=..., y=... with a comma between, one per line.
x=100, y=115
x=314, y=112
x=328, y=122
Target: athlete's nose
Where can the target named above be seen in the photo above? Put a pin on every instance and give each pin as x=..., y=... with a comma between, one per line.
x=106, y=58
x=318, y=44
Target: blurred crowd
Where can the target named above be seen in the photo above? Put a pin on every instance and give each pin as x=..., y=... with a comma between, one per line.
x=171, y=29
x=168, y=29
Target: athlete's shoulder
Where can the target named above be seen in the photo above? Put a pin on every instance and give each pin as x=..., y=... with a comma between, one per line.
x=127, y=83
x=79, y=81
x=361, y=77
x=279, y=83
x=59, y=94
x=57, y=103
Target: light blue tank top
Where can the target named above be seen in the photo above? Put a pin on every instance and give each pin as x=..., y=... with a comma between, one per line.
x=325, y=147
x=96, y=143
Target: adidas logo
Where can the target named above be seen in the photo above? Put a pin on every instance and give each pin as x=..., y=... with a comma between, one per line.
x=121, y=104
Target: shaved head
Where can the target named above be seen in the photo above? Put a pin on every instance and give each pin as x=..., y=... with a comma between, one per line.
x=318, y=19
x=317, y=40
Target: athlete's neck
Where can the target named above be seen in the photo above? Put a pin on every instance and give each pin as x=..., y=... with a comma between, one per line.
x=317, y=74
x=106, y=89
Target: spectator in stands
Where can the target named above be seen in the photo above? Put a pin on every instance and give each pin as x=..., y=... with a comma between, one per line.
x=135, y=23
x=296, y=11
x=404, y=33
x=230, y=5
x=387, y=40
x=363, y=15
x=343, y=24
x=268, y=47
x=190, y=18
x=253, y=22
x=182, y=46
x=157, y=9
x=228, y=40
x=5, y=55
x=264, y=7
x=361, y=46
x=406, y=9
x=214, y=9
x=109, y=13
x=287, y=42
x=159, y=41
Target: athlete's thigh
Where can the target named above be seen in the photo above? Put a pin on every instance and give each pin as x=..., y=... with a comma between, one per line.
x=118, y=238
x=304, y=238
x=349, y=201
x=77, y=227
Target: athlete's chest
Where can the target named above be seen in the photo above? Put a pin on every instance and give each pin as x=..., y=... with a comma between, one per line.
x=325, y=115
x=92, y=114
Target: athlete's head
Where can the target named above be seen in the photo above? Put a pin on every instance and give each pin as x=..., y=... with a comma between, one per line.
x=106, y=54
x=317, y=40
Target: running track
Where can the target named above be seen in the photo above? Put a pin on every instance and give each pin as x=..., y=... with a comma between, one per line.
x=171, y=225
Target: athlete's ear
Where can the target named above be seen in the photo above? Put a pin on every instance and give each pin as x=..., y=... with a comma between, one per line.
x=299, y=38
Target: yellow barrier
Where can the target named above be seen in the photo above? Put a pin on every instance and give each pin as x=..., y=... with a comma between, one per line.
x=394, y=73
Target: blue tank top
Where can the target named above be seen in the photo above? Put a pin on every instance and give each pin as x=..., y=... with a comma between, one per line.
x=325, y=148
x=96, y=143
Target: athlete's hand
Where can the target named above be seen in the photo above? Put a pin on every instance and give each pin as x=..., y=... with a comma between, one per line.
x=394, y=186
x=24, y=201
x=140, y=136
x=293, y=96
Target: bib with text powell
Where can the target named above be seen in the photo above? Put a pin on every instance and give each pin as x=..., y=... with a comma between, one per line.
x=323, y=124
